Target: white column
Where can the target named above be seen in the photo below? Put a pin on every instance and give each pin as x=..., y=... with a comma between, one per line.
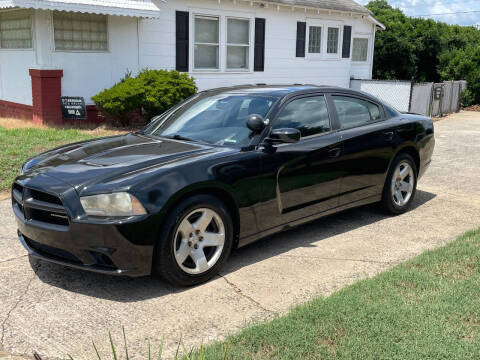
x=43, y=37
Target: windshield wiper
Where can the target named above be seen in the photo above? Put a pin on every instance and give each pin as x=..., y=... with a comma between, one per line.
x=181, y=137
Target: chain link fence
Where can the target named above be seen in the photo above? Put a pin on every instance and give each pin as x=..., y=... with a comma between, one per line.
x=429, y=99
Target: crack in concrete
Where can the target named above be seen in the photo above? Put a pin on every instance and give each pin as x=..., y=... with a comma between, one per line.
x=337, y=259
x=239, y=291
x=12, y=259
x=19, y=300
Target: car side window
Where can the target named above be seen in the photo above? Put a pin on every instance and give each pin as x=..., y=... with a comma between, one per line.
x=355, y=112
x=308, y=114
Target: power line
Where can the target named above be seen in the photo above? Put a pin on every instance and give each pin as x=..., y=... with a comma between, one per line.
x=444, y=2
x=449, y=13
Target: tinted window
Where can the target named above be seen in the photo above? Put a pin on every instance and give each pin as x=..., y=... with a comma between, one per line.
x=374, y=111
x=354, y=112
x=309, y=115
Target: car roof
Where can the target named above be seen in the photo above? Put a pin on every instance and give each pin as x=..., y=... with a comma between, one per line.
x=284, y=90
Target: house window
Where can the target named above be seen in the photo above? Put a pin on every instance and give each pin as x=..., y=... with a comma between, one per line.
x=207, y=44
x=238, y=44
x=221, y=43
x=315, y=39
x=360, y=49
x=16, y=30
x=332, y=40
x=80, y=32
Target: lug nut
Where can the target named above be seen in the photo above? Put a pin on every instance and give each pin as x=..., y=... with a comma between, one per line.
x=190, y=243
x=200, y=238
x=191, y=234
x=197, y=232
x=195, y=246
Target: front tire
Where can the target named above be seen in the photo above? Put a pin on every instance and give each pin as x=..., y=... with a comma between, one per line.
x=400, y=185
x=195, y=241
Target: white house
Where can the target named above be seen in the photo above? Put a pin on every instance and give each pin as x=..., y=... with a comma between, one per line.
x=50, y=48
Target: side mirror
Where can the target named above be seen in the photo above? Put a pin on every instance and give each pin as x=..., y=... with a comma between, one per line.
x=256, y=123
x=287, y=135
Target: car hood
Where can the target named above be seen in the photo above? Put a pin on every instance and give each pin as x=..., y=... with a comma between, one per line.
x=104, y=159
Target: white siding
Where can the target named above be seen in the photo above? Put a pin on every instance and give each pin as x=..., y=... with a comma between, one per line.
x=15, y=81
x=150, y=43
x=84, y=73
x=87, y=73
x=157, y=46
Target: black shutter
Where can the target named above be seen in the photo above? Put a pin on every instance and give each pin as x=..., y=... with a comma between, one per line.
x=182, y=34
x=259, y=53
x=301, y=36
x=347, y=40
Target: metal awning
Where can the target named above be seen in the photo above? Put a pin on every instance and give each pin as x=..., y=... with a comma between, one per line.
x=134, y=8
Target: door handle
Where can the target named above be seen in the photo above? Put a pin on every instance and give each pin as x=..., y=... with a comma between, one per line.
x=335, y=152
x=388, y=135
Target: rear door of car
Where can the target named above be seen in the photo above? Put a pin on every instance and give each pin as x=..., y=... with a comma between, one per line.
x=303, y=178
x=368, y=138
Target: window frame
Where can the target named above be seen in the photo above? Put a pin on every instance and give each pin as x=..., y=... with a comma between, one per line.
x=337, y=123
x=195, y=16
x=248, y=46
x=32, y=31
x=361, y=36
x=223, y=28
x=322, y=32
x=106, y=51
x=324, y=24
x=340, y=33
x=302, y=96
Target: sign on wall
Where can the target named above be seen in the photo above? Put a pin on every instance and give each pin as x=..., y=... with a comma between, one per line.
x=73, y=107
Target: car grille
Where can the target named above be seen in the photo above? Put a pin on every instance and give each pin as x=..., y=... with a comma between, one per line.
x=39, y=206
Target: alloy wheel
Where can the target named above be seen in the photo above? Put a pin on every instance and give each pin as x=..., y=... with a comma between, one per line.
x=199, y=241
x=403, y=181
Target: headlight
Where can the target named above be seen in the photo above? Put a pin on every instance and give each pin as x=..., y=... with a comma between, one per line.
x=116, y=204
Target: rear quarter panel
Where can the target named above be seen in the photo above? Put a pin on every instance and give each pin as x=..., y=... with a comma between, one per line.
x=417, y=131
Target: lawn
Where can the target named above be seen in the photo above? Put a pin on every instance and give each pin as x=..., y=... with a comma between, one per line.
x=426, y=308
x=17, y=145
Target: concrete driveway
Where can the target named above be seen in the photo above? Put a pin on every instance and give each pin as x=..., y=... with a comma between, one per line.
x=58, y=311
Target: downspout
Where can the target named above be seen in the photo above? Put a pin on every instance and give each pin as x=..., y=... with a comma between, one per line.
x=138, y=45
x=373, y=50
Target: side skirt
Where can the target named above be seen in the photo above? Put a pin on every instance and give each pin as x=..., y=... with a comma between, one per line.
x=249, y=239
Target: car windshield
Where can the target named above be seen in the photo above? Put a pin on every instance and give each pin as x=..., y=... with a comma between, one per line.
x=219, y=119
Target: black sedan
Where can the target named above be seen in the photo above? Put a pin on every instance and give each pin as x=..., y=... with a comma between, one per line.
x=222, y=169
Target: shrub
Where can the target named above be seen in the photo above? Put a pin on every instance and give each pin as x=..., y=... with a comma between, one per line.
x=150, y=93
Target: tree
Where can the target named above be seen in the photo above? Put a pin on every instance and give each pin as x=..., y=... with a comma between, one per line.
x=425, y=50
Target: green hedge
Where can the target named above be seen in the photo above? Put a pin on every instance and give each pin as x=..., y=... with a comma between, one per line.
x=150, y=93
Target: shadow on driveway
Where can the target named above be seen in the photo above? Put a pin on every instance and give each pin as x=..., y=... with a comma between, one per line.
x=125, y=289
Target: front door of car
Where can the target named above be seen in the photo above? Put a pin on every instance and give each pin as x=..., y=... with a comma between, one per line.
x=303, y=178
x=368, y=142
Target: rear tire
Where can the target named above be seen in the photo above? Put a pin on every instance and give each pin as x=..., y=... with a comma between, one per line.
x=400, y=185
x=195, y=241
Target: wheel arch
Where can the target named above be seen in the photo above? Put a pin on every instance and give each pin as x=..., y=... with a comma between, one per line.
x=413, y=152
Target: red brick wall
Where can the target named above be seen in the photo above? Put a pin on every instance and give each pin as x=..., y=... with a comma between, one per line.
x=46, y=92
x=15, y=110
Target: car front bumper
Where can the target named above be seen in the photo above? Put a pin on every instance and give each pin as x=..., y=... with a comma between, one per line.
x=53, y=233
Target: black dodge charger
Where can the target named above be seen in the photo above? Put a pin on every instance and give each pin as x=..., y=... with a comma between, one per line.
x=220, y=170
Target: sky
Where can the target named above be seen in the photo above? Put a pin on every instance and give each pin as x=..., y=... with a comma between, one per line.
x=427, y=7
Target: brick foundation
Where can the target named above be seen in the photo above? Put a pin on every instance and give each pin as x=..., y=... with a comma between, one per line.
x=46, y=92
x=15, y=110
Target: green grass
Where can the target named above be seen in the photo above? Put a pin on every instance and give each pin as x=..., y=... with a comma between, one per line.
x=17, y=145
x=426, y=308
